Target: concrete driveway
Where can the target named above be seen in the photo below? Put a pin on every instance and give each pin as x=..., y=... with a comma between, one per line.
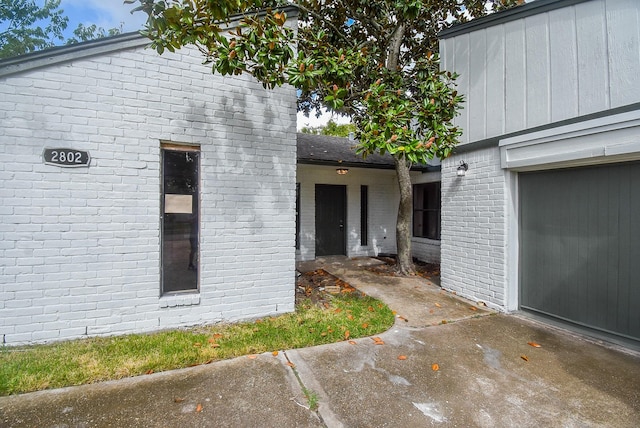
x=488, y=375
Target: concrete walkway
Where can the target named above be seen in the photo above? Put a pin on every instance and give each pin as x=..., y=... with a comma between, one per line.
x=488, y=376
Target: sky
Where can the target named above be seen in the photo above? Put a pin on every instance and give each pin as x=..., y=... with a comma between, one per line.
x=104, y=13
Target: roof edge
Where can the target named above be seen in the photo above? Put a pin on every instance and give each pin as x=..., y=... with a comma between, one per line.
x=339, y=164
x=60, y=54
x=518, y=12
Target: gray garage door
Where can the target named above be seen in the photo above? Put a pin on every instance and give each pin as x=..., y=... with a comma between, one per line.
x=580, y=246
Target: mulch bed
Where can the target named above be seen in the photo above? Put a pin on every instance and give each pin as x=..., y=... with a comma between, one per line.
x=425, y=270
x=319, y=285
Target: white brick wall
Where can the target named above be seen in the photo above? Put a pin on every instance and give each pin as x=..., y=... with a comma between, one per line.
x=474, y=236
x=80, y=248
x=383, y=208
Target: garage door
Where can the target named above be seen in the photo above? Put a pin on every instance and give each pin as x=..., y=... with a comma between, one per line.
x=580, y=246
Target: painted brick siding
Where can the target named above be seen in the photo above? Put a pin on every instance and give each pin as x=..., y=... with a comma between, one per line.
x=80, y=247
x=383, y=208
x=474, y=228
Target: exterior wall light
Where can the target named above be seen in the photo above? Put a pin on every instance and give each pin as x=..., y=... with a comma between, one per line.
x=342, y=171
x=462, y=169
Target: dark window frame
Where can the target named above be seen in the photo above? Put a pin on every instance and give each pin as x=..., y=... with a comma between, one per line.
x=297, y=216
x=427, y=207
x=168, y=286
x=364, y=215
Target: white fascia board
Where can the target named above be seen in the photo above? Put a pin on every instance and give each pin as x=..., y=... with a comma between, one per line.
x=606, y=139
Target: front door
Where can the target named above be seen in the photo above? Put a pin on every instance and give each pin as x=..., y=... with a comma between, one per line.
x=331, y=209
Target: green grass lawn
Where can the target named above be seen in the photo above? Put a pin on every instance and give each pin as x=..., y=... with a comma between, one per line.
x=33, y=368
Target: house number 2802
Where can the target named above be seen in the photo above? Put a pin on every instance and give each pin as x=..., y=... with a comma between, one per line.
x=66, y=157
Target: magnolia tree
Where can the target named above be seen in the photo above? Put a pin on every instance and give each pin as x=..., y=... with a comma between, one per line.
x=372, y=60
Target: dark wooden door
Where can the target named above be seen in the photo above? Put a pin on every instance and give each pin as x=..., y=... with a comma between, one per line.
x=331, y=209
x=580, y=246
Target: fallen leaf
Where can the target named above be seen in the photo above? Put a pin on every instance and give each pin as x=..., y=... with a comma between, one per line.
x=252, y=357
x=337, y=311
x=217, y=336
x=215, y=345
x=350, y=317
x=208, y=362
x=149, y=371
x=290, y=364
x=443, y=322
x=351, y=342
x=438, y=305
x=435, y=367
x=393, y=312
x=377, y=341
x=178, y=400
x=323, y=334
x=346, y=334
x=274, y=353
x=258, y=321
x=534, y=344
x=473, y=308
x=370, y=308
x=402, y=357
x=365, y=325
x=403, y=318
x=199, y=408
x=524, y=357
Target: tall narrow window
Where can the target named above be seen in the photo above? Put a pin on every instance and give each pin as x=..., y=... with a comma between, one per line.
x=426, y=210
x=180, y=218
x=364, y=215
x=297, y=216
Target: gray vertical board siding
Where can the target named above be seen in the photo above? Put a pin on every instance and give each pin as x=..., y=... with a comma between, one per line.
x=538, y=73
x=515, y=102
x=546, y=67
x=564, y=65
x=623, y=27
x=476, y=107
x=461, y=66
x=593, y=70
x=580, y=246
x=495, y=81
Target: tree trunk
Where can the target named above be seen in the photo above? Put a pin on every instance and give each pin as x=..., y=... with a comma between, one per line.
x=404, y=262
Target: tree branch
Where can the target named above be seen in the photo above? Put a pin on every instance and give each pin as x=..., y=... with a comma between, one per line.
x=326, y=21
x=395, y=43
